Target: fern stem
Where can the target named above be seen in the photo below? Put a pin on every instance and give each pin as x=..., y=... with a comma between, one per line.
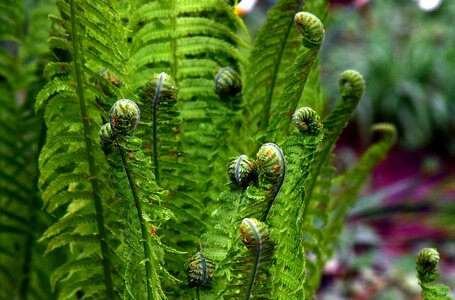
x=156, y=101
x=91, y=160
x=276, y=67
x=146, y=240
x=257, y=257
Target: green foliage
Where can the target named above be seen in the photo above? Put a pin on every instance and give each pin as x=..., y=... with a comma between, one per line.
x=426, y=263
x=128, y=221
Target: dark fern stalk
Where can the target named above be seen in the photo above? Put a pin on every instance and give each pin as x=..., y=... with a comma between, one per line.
x=426, y=263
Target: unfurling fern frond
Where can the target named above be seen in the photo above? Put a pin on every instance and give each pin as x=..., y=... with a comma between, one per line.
x=251, y=278
x=313, y=34
x=319, y=186
x=137, y=188
x=426, y=263
x=299, y=148
x=275, y=49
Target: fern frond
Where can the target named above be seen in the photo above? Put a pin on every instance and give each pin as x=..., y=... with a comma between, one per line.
x=72, y=169
x=275, y=48
x=23, y=272
x=251, y=277
x=426, y=263
x=136, y=185
x=318, y=188
x=347, y=186
x=299, y=148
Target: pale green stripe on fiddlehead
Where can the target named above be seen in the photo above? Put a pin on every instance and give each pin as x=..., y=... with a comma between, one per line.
x=313, y=33
x=426, y=264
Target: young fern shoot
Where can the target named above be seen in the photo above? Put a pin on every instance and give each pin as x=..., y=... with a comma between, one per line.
x=426, y=263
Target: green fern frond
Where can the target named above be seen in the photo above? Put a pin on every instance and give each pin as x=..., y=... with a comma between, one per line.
x=136, y=186
x=251, y=277
x=319, y=187
x=313, y=34
x=275, y=49
x=347, y=186
x=70, y=163
x=23, y=272
x=299, y=148
x=426, y=263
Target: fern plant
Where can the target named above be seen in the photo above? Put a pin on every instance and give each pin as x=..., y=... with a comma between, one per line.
x=175, y=145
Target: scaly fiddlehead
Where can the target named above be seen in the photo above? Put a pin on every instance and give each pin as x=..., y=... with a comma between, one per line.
x=199, y=271
x=426, y=263
x=241, y=170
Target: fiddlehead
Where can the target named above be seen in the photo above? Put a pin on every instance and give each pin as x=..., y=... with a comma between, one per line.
x=124, y=117
x=426, y=263
x=199, y=270
x=251, y=276
x=271, y=170
x=241, y=170
x=227, y=83
x=306, y=120
x=311, y=29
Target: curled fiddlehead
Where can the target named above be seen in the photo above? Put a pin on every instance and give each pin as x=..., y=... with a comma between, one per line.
x=272, y=164
x=241, y=169
x=306, y=120
x=227, y=83
x=124, y=117
x=426, y=263
x=351, y=85
x=199, y=270
x=311, y=29
x=270, y=170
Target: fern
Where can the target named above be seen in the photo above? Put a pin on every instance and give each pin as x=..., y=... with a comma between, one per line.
x=70, y=160
x=126, y=222
x=300, y=149
x=426, y=263
x=137, y=187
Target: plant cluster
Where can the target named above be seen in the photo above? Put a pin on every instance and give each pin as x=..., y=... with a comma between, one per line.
x=146, y=105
